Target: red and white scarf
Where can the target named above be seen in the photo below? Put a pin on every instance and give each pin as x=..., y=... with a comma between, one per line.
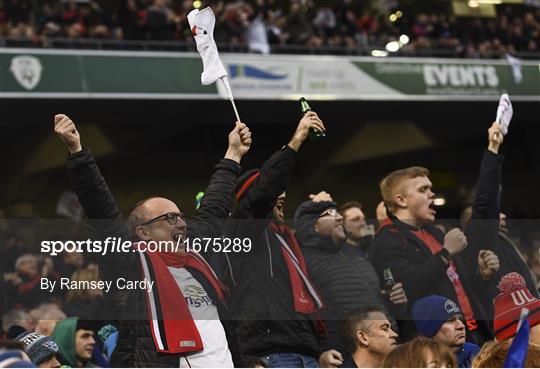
x=171, y=322
x=305, y=296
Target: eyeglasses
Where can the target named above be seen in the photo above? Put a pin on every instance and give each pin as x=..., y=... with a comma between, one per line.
x=172, y=218
x=329, y=212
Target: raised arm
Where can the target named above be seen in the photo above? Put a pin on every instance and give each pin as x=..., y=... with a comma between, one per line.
x=487, y=200
x=104, y=217
x=216, y=204
x=90, y=186
x=275, y=173
x=482, y=229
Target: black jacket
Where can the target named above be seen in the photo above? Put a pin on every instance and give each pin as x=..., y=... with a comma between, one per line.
x=348, y=361
x=483, y=229
x=261, y=298
x=346, y=282
x=135, y=346
x=423, y=273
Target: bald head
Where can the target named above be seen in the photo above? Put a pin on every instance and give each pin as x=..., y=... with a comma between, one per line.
x=137, y=214
x=156, y=206
x=150, y=208
x=162, y=228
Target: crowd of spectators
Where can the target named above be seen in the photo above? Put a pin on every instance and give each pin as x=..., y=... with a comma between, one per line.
x=73, y=327
x=22, y=265
x=273, y=25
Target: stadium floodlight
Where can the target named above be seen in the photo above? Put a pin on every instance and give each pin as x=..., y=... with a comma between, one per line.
x=392, y=46
x=379, y=53
x=404, y=39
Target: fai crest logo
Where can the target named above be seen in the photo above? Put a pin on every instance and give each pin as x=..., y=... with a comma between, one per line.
x=27, y=70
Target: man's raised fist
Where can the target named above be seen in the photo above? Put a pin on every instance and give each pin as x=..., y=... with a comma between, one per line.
x=66, y=130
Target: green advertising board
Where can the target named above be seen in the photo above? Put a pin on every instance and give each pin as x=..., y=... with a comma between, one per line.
x=50, y=73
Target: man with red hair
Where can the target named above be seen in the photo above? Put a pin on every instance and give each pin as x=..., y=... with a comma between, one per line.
x=421, y=257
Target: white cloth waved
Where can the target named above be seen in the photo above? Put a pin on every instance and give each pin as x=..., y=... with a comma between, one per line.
x=504, y=113
x=202, y=26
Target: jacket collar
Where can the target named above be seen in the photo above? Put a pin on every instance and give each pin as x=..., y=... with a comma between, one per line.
x=406, y=231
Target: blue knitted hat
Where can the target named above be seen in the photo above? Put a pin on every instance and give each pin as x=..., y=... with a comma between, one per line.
x=430, y=313
x=38, y=347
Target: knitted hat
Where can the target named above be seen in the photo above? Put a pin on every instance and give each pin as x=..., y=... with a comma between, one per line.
x=431, y=312
x=513, y=296
x=38, y=347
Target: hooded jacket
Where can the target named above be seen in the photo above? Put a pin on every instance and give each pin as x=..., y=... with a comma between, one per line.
x=64, y=336
x=344, y=284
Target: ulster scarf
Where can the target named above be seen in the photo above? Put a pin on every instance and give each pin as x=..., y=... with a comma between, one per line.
x=305, y=296
x=171, y=323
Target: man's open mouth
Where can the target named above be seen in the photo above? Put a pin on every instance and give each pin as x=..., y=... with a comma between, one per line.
x=178, y=237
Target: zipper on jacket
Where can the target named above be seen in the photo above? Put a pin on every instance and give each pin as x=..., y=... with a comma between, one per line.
x=269, y=252
x=230, y=269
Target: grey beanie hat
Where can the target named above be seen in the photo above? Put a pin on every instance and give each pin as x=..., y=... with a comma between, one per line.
x=38, y=347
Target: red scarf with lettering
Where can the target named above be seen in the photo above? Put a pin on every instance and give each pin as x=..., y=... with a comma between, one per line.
x=171, y=323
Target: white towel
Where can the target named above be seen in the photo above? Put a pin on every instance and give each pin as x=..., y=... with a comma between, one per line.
x=504, y=113
x=202, y=26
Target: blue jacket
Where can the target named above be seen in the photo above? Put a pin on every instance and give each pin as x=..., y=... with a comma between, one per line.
x=466, y=355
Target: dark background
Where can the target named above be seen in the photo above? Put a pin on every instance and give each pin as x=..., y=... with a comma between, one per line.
x=168, y=148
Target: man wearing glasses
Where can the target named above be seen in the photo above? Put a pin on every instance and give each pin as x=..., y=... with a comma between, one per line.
x=177, y=323
x=343, y=285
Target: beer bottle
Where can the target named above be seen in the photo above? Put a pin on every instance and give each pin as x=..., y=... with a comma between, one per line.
x=389, y=281
x=314, y=134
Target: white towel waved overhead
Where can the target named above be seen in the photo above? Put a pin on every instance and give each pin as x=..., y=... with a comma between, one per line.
x=504, y=113
x=202, y=27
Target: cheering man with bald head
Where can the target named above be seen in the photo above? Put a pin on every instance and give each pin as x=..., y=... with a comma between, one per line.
x=180, y=321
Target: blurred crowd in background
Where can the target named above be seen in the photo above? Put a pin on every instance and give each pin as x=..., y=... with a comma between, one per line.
x=266, y=26
x=23, y=265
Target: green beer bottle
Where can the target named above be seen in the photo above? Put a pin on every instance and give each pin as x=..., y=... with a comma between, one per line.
x=314, y=134
x=389, y=281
